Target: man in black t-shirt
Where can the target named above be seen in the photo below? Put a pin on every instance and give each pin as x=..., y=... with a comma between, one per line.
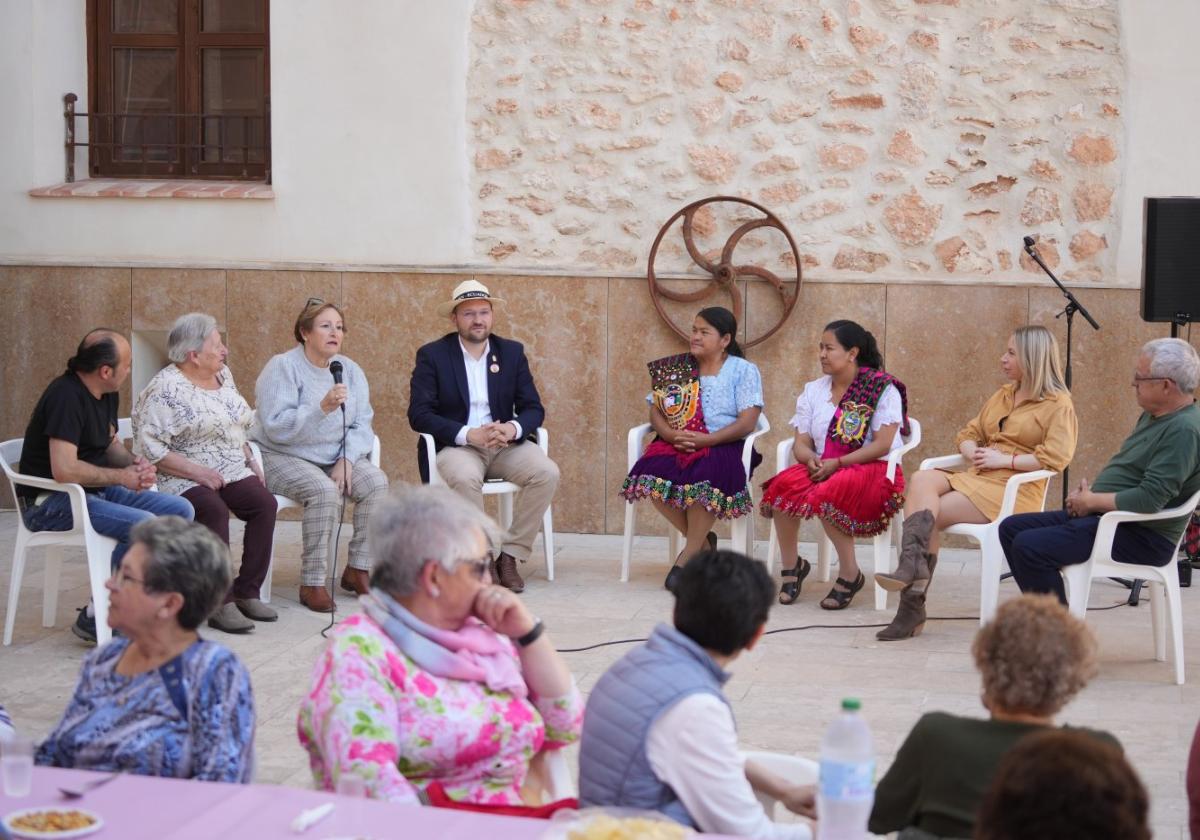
x=72, y=439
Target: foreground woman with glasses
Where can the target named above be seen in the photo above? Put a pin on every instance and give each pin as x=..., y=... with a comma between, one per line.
x=445, y=680
x=158, y=700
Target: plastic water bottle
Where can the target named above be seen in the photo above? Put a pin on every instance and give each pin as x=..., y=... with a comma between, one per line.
x=846, y=790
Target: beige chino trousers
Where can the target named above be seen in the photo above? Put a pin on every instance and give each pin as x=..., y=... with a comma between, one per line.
x=466, y=468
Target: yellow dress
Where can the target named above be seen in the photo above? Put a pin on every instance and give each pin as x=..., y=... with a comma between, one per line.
x=1046, y=428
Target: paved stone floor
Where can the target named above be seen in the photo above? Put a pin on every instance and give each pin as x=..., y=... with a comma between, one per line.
x=784, y=693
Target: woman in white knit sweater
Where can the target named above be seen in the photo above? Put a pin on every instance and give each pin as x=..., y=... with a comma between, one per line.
x=300, y=429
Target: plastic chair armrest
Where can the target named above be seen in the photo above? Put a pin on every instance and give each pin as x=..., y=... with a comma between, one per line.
x=1107, y=530
x=1013, y=486
x=636, y=435
x=945, y=462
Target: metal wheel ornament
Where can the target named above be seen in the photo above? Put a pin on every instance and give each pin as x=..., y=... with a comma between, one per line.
x=725, y=273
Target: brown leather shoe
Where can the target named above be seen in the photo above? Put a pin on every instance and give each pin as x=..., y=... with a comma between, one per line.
x=506, y=574
x=316, y=598
x=355, y=580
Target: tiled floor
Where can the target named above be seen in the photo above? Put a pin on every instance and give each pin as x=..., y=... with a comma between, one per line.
x=784, y=692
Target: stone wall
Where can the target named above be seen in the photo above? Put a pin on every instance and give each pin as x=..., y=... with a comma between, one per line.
x=588, y=340
x=896, y=138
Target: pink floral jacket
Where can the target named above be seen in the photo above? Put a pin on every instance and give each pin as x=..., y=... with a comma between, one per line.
x=372, y=712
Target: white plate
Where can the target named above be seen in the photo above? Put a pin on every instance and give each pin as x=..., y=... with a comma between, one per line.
x=57, y=835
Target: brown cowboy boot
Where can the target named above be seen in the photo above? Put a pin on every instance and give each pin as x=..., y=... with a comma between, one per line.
x=909, y=620
x=316, y=598
x=355, y=580
x=914, y=548
x=506, y=574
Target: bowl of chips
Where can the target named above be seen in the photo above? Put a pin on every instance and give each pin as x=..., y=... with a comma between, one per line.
x=58, y=823
x=615, y=824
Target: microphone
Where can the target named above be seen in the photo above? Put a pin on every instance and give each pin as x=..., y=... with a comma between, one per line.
x=335, y=368
x=1029, y=243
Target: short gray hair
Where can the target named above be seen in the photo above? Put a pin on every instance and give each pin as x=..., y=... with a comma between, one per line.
x=187, y=558
x=416, y=524
x=1174, y=359
x=188, y=334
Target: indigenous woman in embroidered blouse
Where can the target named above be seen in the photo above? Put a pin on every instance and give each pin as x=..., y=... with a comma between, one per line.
x=702, y=405
x=191, y=423
x=444, y=679
x=855, y=413
x=1029, y=424
x=158, y=700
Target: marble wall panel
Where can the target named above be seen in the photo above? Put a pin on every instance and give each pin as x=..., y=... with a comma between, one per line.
x=160, y=295
x=565, y=336
x=564, y=324
x=393, y=315
x=945, y=343
x=637, y=335
x=1102, y=369
x=788, y=359
x=261, y=310
x=51, y=310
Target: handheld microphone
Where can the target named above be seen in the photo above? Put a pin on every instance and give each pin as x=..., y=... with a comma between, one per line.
x=335, y=368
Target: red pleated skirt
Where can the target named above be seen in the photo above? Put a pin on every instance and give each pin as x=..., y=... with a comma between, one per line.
x=858, y=500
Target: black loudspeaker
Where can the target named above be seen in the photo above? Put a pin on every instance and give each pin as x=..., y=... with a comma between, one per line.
x=1171, y=260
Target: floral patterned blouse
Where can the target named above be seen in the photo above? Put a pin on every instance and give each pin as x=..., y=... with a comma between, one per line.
x=208, y=427
x=374, y=713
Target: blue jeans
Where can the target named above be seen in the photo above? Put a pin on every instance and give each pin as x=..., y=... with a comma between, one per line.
x=113, y=510
x=1037, y=545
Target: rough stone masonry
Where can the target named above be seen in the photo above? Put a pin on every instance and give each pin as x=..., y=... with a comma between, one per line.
x=896, y=138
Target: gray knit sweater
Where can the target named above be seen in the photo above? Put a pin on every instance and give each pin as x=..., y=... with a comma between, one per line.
x=289, y=418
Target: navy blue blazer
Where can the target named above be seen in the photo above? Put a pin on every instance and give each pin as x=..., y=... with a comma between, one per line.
x=439, y=401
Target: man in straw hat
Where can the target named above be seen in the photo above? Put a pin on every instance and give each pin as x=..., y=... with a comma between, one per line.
x=473, y=392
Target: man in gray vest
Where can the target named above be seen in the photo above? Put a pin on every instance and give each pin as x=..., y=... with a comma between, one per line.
x=641, y=747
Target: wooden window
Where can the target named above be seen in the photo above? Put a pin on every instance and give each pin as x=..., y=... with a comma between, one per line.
x=179, y=89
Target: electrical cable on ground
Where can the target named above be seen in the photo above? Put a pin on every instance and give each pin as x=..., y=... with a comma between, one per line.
x=1124, y=603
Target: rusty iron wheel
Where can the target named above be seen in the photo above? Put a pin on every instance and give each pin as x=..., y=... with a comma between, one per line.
x=724, y=275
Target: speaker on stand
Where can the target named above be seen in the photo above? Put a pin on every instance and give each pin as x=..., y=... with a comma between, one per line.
x=1171, y=293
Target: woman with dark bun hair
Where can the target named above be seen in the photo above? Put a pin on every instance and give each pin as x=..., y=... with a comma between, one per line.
x=845, y=422
x=702, y=406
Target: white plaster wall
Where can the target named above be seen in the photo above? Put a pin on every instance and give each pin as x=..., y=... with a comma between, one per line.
x=1162, y=115
x=368, y=144
x=346, y=197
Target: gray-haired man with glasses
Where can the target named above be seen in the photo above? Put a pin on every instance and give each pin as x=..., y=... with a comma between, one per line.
x=1157, y=467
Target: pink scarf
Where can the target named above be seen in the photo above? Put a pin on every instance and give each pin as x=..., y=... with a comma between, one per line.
x=473, y=652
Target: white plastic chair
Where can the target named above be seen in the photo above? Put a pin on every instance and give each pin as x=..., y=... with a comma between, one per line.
x=797, y=770
x=742, y=534
x=882, y=544
x=987, y=535
x=506, y=490
x=98, y=548
x=283, y=503
x=1163, y=580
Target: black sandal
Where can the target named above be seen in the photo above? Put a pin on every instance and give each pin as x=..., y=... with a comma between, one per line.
x=789, y=590
x=841, y=599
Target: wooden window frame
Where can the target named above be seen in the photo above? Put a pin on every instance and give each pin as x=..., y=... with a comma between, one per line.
x=190, y=42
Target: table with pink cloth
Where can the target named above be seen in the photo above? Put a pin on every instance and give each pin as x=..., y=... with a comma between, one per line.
x=134, y=807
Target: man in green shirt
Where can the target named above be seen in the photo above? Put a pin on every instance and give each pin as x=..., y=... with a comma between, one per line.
x=1157, y=467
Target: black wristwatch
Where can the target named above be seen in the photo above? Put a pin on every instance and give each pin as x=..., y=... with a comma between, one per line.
x=533, y=635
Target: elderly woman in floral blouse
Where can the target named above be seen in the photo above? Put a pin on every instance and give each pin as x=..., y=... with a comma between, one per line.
x=191, y=423
x=444, y=677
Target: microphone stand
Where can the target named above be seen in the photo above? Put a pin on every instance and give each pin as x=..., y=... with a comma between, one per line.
x=1073, y=306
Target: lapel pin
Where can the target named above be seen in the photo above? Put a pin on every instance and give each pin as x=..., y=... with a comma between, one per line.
x=495, y=368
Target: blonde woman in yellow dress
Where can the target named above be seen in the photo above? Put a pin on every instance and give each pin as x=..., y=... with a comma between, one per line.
x=1029, y=424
